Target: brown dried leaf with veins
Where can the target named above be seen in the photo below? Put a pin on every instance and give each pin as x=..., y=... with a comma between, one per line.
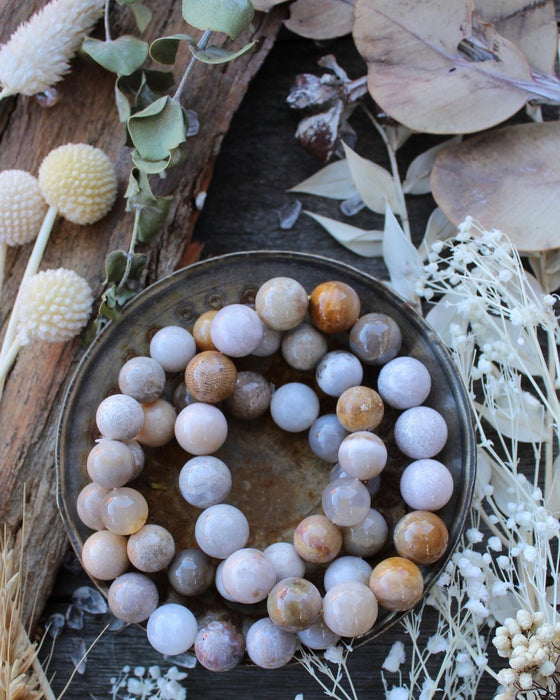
x=321, y=19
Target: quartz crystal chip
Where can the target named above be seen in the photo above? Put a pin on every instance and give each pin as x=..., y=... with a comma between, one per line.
x=78, y=654
x=112, y=623
x=352, y=206
x=75, y=617
x=182, y=660
x=55, y=624
x=71, y=563
x=89, y=600
x=288, y=214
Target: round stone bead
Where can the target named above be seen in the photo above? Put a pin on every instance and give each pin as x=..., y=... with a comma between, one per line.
x=426, y=485
x=397, y=583
x=282, y=303
x=210, y=376
x=119, y=417
x=201, y=331
x=138, y=455
x=172, y=629
x=88, y=505
x=110, y=464
x=334, y=307
x=360, y=408
x=294, y=407
x=317, y=539
x=142, y=378
x=104, y=555
x=375, y=338
x=325, y=437
x=191, y=572
x=367, y=537
x=337, y=472
x=182, y=397
x=350, y=609
x=251, y=396
x=404, y=382
x=201, y=429
x=151, y=548
x=285, y=560
x=294, y=604
x=268, y=646
x=270, y=342
x=318, y=635
x=221, y=530
x=219, y=646
x=248, y=575
x=421, y=536
x=303, y=347
x=172, y=347
x=236, y=330
x=159, y=423
x=346, y=501
x=205, y=481
x=133, y=597
x=219, y=584
x=347, y=569
x=420, y=432
x=337, y=371
x=362, y=455
x=124, y=510
x=373, y=485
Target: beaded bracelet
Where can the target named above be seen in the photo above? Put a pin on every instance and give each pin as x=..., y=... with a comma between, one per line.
x=285, y=318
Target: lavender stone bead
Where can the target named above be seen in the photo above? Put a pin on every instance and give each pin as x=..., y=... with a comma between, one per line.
x=325, y=436
x=220, y=530
x=133, y=597
x=142, y=378
x=219, y=646
x=362, y=455
x=172, y=629
x=337, y=371
x=236, y=330
x=294, y=407
x=248, y=575
x=205, y=481
x=303, y=347
x=268, y=646
x=119, y=417
x=420, y=432
x=426, y=485
x=404, y=382
x=285, y=560
x=347, y=569
x=318, y=635
x=346, y=501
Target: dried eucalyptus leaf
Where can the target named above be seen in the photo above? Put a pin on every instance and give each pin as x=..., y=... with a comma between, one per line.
x=152, y=218
x=164, y=50
x=333, y=181
x=123, y=105
x=265, y=5
x=375, y=184
x=157, y=130
x=525, y=421
x=505, y=606
x=417, y=178
x=438, y=228
x=506, y=179
x=321, y=19
x=368, y=244
x=215, y=54
x=115, y=265
x=401, y=258
x=229, y=16
x=150, y=167
x=122, y=56
x=546, y=267
x=552, y=496
x=444, y=314
x=142, y=15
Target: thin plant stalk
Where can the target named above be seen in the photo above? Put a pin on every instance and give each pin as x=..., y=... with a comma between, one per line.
x=202, y=44
x=3, y=251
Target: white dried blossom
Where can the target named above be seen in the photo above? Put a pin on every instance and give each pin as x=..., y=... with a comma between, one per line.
x=394, y=658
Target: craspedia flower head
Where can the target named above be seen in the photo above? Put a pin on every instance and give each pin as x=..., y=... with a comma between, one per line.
x=22, y=207
x=55, y=306
x=80, y=181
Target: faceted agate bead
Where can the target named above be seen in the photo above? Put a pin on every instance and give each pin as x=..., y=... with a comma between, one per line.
x=337, y=371
x=318, y=635
x=404, y=382
x=347, y=569
x=119, y=417
x=397, y=583
x=124, y=510
x=268, y=646
x=251, y=396
x=210, y=376
x=294, y=604
x=151, y=548
x=191, y=572
x=317, y=539
x=270, y=342
x=360, y=408
x=248, y=576
x=172, y=347
x=285, y=560
x=236, y=330
x=367, y=537
x=350, y=609
x=325, y=436
x=142, y=378
x=420, y=432
x=201, y=429
x=346, y=501
x=421, y=536
x=110, y=464
x=204, y=481
x=282, y=303
x=375, y=338
x=201, y=331
x=88, y=505
x=334, y=307
x=219, y=646
x=362, y=455
x=172, y=629
x=133, y=597
x=426, y=485
x=294, y=407
x=221, y=530
x=159, y=423
x=303, y=347
x=104, y=555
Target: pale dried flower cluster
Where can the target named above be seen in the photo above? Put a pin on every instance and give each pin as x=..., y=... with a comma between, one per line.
x=148, y=684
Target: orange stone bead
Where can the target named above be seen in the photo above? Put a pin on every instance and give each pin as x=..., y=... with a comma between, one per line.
x=421, y=536
x=334, y=307
x=201, y=330
x=360, y=408
x=210, y=376
x=317, y=540
x=397, y=583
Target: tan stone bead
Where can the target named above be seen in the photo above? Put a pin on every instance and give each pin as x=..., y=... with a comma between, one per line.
x=104, y=555
x=360, y=408
x=397, y=583
x=159, y=423
x=317, y=540
x=334, y=307
x=421, y=536
x=201, y=330
x=210, y=376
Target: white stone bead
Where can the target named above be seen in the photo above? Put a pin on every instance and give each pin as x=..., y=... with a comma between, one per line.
x=318, y=636
x=325, y=436
x=347, y=569
x=173, y=347
x=236, y=330
x=404, y=382
x=204, y=481
x=362, y=455
x=294, y=407
x=248, y=576
x=337, y=371
x=285, y=560
x=268, y=646
x=219, y=583
x=346, y=501
x=420, y=432
x=119, y=417
x=220, y=530
x=426, y=485
x=201, y=428
x=172, y=629
x=350, y=609
x=142, y=378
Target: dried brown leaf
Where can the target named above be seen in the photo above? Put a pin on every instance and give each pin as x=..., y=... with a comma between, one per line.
x=321, y=19
x=507, y=179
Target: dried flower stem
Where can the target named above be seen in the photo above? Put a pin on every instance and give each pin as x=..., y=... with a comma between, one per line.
x=202, y=44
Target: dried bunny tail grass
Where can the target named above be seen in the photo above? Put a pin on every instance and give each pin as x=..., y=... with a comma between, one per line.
x=38, y=53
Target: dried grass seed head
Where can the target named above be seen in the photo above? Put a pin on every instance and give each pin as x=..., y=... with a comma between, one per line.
x=22, y=207
x=80, y=181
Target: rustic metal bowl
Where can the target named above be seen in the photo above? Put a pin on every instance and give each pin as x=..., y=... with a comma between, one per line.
x=277, y=480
